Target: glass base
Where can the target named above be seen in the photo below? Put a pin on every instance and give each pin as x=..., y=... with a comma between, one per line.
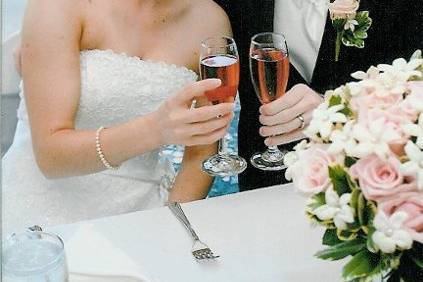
x=224, y=165
x=269, y=160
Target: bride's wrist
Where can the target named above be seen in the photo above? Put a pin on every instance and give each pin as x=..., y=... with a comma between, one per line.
x=153, y=130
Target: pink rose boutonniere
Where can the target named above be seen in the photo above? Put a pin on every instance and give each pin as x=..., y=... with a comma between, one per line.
x=351, y=26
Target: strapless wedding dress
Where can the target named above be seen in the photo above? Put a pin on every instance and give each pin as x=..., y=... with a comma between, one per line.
x=115, y=88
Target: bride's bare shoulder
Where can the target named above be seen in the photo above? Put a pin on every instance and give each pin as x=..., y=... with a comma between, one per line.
x=57, y=9
x=212, y=15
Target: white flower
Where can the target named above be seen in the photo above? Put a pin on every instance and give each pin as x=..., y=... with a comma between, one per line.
x=303, y=145
x=416, y=101
x=342, y=140
x=292, y=157
x=401, y=69
x=350, y=24
x=416, y=55
x=415, y=130
x=324, y=118
x=389, y=233
x=355, y=88
x=414, y=167
x=289, y=161
x=372, y=73
x=336, y=208
x=374, y=138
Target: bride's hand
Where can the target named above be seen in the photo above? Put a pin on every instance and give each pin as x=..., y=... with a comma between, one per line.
x=180, y=124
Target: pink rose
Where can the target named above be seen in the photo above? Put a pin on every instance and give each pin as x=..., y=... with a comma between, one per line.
x=367, y=102
x=379, y=179
x=310, y=174
x=407, y=109
x=343, y=9
x=415, y=87
x=415, y=98
x=410, y=203
x=394, y=119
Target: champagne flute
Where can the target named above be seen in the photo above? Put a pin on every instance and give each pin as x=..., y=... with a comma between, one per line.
x=219, y=59
x=269, y=69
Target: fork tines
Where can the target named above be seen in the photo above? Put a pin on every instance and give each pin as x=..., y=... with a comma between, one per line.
x=204, y=254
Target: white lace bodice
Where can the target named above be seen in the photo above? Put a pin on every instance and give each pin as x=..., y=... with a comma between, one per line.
x=115, y=88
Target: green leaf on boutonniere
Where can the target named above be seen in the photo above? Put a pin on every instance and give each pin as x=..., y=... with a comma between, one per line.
x=350, y=40
x=338, y=176
x=363, y=264
x=339, y=24
x=364, y=23
x=355, y=38
x=351, y=32
x=342, y=250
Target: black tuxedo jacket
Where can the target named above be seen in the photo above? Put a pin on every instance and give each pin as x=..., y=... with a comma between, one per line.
x=397, y=31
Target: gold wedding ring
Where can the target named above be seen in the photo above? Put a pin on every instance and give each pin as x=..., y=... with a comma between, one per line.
x=301, y=118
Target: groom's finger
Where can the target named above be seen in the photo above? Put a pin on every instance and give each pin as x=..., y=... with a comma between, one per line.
x=287, y=127
x=194, y=90
x=285, y=138
x=286, y=115
x=291, y=98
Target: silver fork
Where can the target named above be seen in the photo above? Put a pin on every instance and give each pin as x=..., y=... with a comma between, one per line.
x=199, y=249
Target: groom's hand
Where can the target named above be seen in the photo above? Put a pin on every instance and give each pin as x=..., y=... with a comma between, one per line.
x=284, y=118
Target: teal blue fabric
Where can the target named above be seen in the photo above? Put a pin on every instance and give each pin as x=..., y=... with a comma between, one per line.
x=221, y=186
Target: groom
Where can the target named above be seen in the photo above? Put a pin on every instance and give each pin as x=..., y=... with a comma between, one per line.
x=396, y=31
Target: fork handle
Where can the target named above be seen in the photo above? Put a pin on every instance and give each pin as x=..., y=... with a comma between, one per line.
x=179, y=213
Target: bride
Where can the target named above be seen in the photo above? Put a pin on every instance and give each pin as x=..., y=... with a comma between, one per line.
x=107, y=84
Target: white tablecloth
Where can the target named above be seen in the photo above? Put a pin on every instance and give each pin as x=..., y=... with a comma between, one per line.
x=262, y=236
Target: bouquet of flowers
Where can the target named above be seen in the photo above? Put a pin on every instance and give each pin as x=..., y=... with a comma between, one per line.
x=362, y=169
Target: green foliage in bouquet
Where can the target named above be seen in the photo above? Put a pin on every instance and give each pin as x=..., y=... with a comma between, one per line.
x=356, y=241
x=365, y=223
x=337, y=100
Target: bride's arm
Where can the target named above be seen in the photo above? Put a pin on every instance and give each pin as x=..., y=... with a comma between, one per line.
x=191, y=182
x=51, y=73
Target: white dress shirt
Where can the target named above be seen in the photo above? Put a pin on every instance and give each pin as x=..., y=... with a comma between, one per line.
x=303, y=23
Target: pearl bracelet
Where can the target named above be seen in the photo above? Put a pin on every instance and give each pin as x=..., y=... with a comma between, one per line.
x=100, y=151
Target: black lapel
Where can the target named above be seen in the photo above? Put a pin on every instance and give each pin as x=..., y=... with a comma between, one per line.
x=268, y=10
x=326, y=53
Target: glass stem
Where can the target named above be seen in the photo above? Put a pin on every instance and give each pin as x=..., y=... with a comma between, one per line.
x=221, y=147
x=272, y=154
x=273, y=149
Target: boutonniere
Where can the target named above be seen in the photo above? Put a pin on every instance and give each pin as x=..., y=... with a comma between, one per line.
x=350, y=25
